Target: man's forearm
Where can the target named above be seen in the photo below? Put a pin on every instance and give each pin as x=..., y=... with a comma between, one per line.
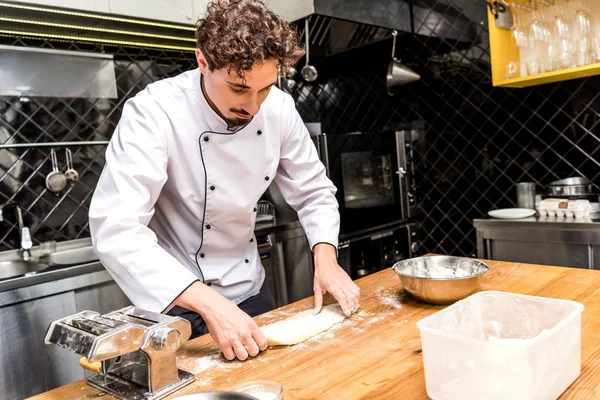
x=322, y=250
x=196, y=298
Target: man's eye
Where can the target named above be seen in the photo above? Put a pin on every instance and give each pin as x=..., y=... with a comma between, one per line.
x=237, y=90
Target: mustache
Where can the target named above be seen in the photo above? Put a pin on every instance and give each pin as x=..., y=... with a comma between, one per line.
x=241, y=112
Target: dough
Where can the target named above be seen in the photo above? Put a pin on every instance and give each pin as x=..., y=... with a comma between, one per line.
x=302, y=326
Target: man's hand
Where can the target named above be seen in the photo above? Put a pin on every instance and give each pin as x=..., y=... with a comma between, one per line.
x=232, y=329
x=330, y=277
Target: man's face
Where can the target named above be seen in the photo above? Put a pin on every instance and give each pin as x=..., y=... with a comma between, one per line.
x=237, y=99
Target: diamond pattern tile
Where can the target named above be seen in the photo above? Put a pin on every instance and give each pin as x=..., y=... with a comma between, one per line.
x=23, y=172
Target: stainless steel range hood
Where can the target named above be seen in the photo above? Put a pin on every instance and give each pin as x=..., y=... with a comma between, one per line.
x=340, y=25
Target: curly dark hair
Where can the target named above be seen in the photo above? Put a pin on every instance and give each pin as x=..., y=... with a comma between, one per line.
x=238, y=34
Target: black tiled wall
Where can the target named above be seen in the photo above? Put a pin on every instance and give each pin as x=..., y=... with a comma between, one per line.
x=480, y=140
x=64, y=215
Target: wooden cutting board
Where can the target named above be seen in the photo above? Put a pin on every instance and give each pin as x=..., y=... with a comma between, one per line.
x=377, y=353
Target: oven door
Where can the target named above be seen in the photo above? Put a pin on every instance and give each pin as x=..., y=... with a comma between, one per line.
x=379, y=249
x=372, y=172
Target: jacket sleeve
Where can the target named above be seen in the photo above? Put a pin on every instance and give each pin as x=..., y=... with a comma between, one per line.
x=303, y=182
x=123, y=204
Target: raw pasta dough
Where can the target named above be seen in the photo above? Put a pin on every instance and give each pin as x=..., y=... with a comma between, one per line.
x=302, y=326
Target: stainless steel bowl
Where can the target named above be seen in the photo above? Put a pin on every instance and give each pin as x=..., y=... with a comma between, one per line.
x=216, y=396
x=440, y=279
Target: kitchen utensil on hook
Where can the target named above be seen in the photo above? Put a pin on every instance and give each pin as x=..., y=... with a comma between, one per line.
x=398, y=74
x=291, y=73
x=55, y=180
x=309, y=72
x=71, y=174
x=285, y=80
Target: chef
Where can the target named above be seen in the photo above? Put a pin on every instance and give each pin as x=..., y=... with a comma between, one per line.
x=173, y=214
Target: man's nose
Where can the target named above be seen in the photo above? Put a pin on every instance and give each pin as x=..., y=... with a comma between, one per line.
x=252, y=105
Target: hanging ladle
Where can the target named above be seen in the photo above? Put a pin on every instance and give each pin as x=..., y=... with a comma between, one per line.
x=55, y=180
x=71, y=174
x=398, y=74
x=309, y=72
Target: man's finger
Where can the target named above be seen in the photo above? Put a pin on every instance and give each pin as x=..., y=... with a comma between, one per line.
x=341, y=297
x=260, y=339
x=318, y=300
x=240, y=351
x=250, y=346
x=355, y=297
x=228, y=352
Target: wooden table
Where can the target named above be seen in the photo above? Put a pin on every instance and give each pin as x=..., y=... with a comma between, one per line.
x=377, y=353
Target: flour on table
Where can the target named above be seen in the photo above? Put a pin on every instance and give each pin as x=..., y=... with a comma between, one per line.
x=391, y=297
x=299, y=327
x=302, y=326
x=209, y=366
x=211, y=361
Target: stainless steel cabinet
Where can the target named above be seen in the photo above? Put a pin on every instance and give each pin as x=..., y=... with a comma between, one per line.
x=288, y=263
x=540, y=241
x=298, y=263
x=103, y=298
x=596, y=257
x=564, y=254
x=27, y=365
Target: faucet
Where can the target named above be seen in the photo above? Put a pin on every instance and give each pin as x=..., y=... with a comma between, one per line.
x=25, y=234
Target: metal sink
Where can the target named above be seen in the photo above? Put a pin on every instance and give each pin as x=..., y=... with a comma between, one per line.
x=78, y=256
x=14, y=268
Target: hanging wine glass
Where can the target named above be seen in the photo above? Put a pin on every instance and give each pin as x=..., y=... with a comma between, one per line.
x=583, y=20
x=519, y=32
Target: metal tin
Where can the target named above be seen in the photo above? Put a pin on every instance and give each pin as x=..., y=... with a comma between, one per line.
x=575, y=186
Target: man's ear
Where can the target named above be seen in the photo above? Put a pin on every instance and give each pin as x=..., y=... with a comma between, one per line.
x=202, y=63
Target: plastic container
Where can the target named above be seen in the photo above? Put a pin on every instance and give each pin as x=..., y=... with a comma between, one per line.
x=497, y=345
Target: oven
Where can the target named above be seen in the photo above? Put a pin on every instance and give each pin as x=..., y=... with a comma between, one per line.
x=374, y=175
x=377, y=249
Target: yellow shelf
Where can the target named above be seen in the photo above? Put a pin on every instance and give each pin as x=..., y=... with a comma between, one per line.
x=549, y=77
x=502, y=50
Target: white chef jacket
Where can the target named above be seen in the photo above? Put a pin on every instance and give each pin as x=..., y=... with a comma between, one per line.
x=176, y=201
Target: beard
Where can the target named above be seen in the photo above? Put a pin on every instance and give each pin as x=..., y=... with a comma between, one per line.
x=236, y=122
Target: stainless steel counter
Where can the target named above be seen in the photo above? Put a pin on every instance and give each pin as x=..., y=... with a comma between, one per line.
x=52, y=275
x=49, y=283
x=541, y=240
x=546, y=223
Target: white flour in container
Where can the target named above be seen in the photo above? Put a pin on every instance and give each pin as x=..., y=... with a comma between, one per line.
x=438, y=271
x=515, y=342
x=445, y=269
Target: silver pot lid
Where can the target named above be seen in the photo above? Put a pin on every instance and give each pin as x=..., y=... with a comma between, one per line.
x=574, y=181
